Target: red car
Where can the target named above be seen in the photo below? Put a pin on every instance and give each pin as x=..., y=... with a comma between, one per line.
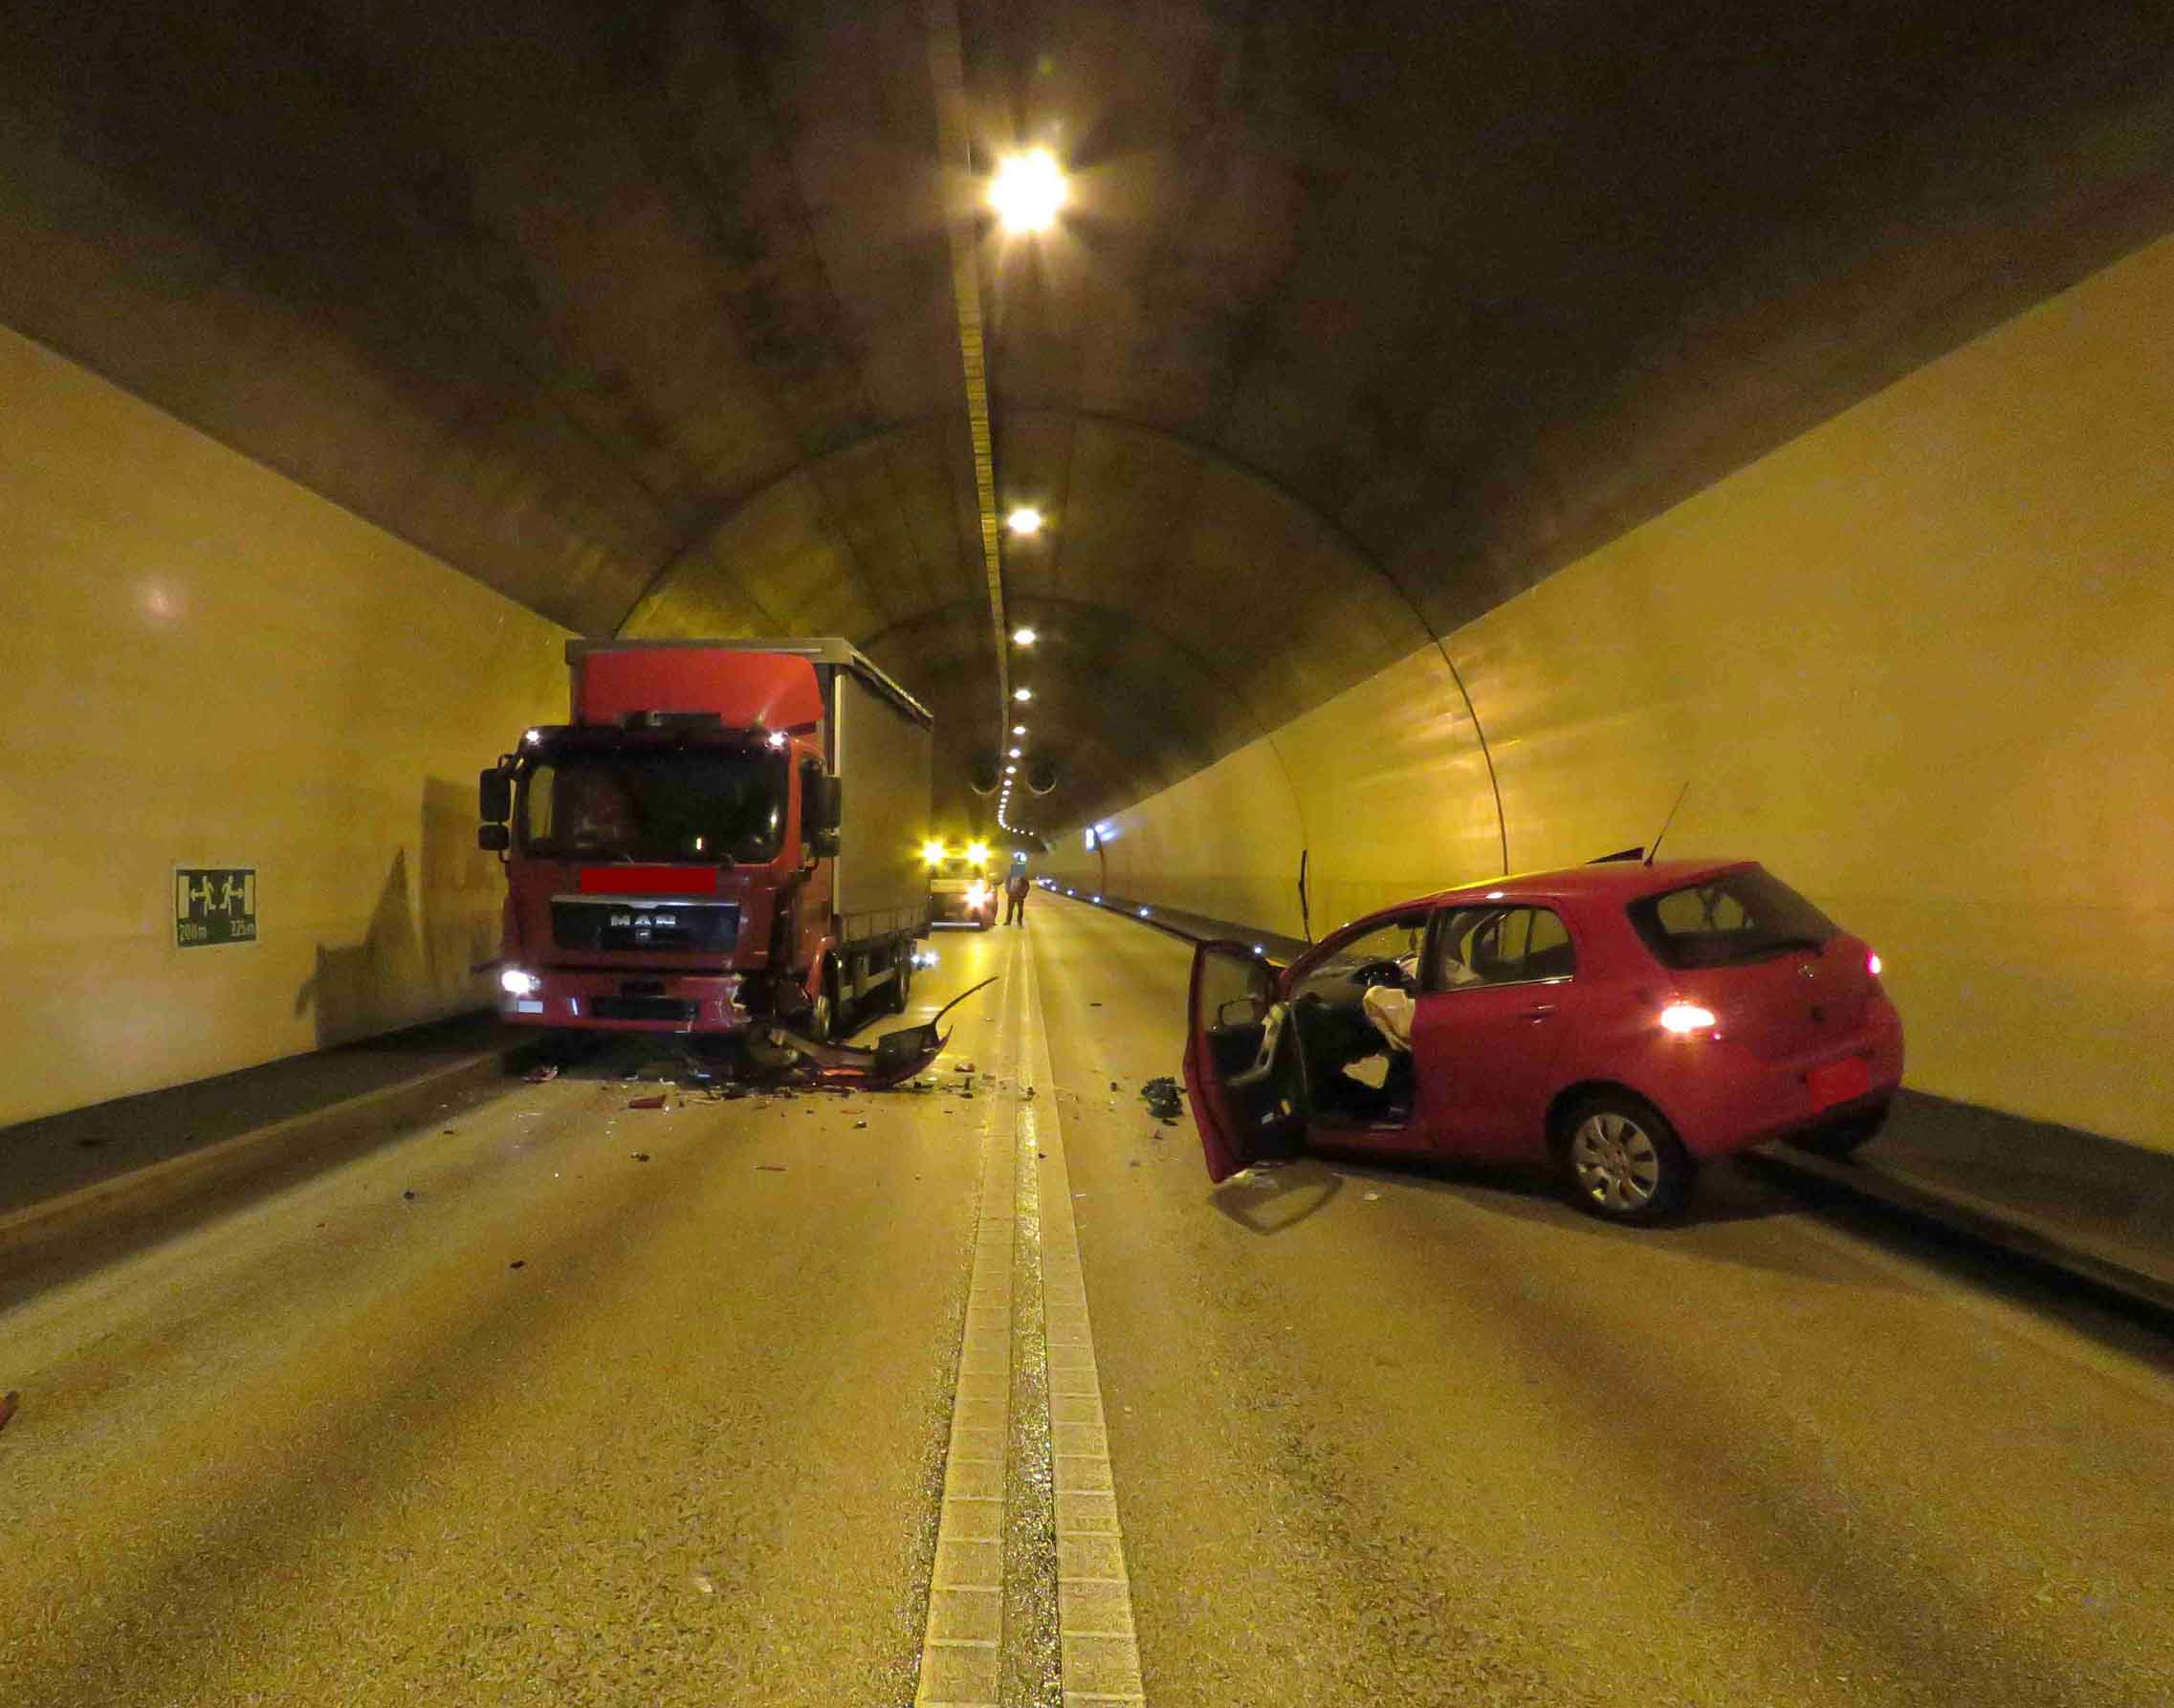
x=1620, y=1020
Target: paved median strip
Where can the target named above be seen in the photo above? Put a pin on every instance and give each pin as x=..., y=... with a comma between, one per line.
x=992, y=1465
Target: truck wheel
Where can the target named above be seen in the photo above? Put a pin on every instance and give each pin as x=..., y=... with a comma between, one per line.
x=823, y=1019
x=900, y=991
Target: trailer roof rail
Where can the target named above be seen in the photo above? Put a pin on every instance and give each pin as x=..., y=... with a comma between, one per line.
x=822, y=649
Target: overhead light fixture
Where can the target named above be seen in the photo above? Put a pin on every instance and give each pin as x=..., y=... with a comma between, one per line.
x=1027, y=191
x=1023, y=693
x=1015, y=752
x=1009, y=769
x=1024, y=521
x=1019, y=729
x=1022, y=637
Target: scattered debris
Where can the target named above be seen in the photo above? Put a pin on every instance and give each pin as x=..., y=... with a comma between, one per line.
x=966, y=1068
x=447, y=1133
x=704, y=1582
x=769, y=1168
x=519, y=1263
x=858, y=1125
x=1371, y=1196
x=645, y=1103
x=1113, y=1085
x=1165, y=1102
x=640, y=1157
x=90, y=1144
x=8, y=1404
x=1030, y=1094
x=543, y=1073
x=1094, y=1005
x=409, y=1195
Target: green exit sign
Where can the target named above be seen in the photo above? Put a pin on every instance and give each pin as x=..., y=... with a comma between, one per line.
x=214, y=904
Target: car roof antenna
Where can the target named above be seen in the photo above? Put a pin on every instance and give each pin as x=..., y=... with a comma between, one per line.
x=1666, y=823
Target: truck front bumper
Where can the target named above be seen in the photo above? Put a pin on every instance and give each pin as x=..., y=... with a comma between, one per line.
x=618, y=1002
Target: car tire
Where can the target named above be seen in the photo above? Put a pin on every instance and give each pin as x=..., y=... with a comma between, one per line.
x=1840, y=1140
x=1620, y=1160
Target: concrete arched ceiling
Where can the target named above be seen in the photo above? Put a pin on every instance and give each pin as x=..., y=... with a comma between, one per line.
x=1365, y=315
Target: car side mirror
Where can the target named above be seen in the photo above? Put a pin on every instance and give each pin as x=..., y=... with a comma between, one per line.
x=1248, y=1013
x=495, y=839
x=494, y=796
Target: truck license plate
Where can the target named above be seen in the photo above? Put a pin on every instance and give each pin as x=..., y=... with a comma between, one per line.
x=1838, y=1081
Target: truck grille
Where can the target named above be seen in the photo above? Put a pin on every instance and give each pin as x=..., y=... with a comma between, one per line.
x=599, y=923
x=640, y=1008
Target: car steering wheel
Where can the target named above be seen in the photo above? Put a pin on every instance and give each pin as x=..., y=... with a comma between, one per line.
x=1382, y=972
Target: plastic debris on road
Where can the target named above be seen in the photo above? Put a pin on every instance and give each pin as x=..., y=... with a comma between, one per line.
x=541, y=1075
x=646, y=1103
x=1165, y=1102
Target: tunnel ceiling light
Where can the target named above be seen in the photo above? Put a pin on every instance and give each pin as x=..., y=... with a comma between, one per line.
x=1022, y=637
x=1019, y=729
x=1010, y=769
x=1023, y=693
x=1026, y=522
x=1027, y=191
x=1015, y=752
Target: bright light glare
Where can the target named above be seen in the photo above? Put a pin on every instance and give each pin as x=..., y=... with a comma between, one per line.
x=532, y=738
x=931, y=852
x=1872, y=965
x=778, y=738
x=1019, y=729
x=1686, y=1017
x=517, y=983
x=1022, y=637
x=977, y=893
x=1260, y=949
x=1494, y=895
x=1027, y=191
x=1023, y=693
x=1009, y=769
x=979, y=853
x=1098, y=898
x=1143, y=913
x=1015, y=752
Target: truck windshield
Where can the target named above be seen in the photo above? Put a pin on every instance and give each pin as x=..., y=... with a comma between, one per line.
x=669, y=805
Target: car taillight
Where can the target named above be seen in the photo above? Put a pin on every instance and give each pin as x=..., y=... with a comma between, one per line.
x=1872, y=963
x=1685, y=1017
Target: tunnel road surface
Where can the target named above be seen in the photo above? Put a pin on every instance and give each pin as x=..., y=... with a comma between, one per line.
x=569, y=1426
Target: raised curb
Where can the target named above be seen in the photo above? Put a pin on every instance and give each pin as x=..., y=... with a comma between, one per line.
x=447, y=1076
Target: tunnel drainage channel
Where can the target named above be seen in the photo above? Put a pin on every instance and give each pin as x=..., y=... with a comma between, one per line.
x=1028, y=1498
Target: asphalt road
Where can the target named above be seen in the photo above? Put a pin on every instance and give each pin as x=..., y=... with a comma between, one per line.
x=1376, y=1437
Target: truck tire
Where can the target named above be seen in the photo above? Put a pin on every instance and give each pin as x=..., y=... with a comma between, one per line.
x=826, y=1020
x=900, y=990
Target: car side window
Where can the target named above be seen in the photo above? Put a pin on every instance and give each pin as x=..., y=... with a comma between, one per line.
x=1478, y=946
x=1399, y=940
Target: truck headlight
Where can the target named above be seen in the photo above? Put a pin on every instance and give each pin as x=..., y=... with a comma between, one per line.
x=517, y=983
x=977, y=893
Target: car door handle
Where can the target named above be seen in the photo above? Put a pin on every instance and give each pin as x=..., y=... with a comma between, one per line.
x=1546, y=1011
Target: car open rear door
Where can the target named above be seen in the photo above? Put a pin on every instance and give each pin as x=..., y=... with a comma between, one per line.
x=1242, y=1066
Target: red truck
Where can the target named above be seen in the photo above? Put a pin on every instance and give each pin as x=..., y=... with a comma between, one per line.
x=682, y=857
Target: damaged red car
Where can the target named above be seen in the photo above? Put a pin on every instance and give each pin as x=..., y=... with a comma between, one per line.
x=1620, y=1022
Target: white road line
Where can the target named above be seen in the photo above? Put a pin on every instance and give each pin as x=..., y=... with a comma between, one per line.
x=961, y=1642
x=1098, y=1647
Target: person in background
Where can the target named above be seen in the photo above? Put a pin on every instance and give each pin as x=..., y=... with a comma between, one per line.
x=1016, y=887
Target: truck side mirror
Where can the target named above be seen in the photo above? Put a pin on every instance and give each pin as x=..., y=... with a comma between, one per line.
x=494, y=796
x=495, y=839
x=833, y=804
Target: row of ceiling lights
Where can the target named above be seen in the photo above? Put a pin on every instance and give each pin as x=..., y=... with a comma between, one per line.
x=1026, y=194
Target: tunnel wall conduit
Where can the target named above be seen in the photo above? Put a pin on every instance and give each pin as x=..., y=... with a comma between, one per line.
x=1915, y=659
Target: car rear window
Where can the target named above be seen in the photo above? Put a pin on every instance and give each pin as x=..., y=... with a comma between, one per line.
x=1726, y=920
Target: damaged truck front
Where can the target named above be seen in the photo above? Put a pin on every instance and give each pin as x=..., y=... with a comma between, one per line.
x=726, y=835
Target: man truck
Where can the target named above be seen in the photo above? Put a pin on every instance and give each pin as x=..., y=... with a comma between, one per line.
x=725, y=834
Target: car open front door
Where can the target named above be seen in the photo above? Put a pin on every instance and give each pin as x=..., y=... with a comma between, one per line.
x=1242, y=1066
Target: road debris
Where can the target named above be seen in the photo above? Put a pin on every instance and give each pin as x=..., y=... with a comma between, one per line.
x=859, y=1125
x=519, y=1263
x=543, y=1074
x=9, y=1402
x=410, y=1194
x=1165, y=1102
x=640, y=1157
x=769, y=1168
x=647, y=1103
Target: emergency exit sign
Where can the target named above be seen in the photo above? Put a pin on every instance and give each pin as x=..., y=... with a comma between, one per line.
x=214, y=904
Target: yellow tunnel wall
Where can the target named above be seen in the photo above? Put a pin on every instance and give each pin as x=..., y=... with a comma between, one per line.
x=1920, y=661
x=207, y=664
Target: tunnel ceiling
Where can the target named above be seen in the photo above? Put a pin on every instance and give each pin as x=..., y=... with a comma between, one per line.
x=1362, y=318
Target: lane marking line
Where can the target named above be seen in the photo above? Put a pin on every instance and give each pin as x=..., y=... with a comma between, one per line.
x=1096, y=1663
x=961, y=1672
